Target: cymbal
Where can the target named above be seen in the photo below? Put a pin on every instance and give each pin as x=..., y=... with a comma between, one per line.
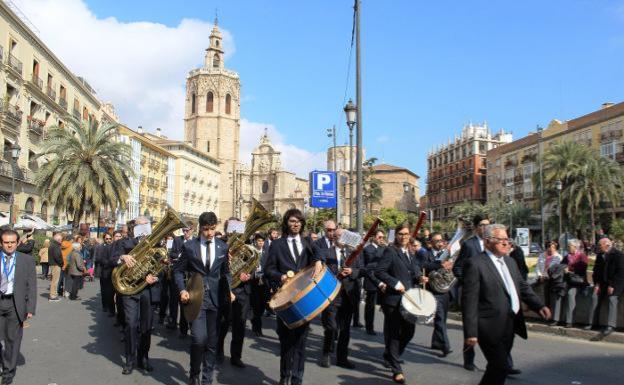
x=195, y=288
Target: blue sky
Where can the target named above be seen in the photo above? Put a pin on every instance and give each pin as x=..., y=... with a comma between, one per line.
x=428, y=67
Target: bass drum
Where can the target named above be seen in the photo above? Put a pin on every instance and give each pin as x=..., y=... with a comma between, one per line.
x=303, y=297
x=418, y=306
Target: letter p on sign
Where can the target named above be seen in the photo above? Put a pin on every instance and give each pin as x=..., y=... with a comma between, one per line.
x=322, y=180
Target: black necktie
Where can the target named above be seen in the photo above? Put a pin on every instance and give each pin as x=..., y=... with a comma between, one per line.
x=342, y=258
x=295, y=249
x=208, y=254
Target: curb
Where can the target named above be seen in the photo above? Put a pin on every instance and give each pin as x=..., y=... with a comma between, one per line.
x=575, y=333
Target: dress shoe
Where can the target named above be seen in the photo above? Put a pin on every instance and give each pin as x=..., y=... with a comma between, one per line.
x=588, y=327
x=195, y=380
x=238, y=363
x=553, y=323
x=568, y=325
x=145, y=365
x=284, y=381
x=608, y=330
x=399, y=378
x=127, y=368
x=513, y=371
x=345, y=364
x=445, y=353
x=470, y=367
x=7, y=380
x=324, y=361
x=371, y=333
x=358, y=325
x=401, y=361
x=258, y=333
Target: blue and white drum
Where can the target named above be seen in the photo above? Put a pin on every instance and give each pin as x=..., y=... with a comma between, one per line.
x=302, y=298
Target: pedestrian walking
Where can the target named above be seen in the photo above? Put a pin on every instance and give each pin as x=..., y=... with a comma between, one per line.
x=43, y=259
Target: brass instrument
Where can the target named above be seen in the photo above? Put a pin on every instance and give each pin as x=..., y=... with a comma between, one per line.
x=442, y=280
x=245, y=258
x=150, y=259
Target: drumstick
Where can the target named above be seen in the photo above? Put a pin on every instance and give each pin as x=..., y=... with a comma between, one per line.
x=410, y=299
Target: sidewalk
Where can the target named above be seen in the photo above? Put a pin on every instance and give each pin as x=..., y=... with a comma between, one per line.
x=454, y=320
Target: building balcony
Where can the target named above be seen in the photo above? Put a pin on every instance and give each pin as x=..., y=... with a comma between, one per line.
x=143, y=159
x=610, y=135
x=51, y=92
x=76, y=114
x=164, y=167
x=15, y=64
x=510, y=163
x=152, y=182
x=11, y=117
x=530, y=157
x=619, y=157
x=36, y=80
x=63, y=102
x=35, y=126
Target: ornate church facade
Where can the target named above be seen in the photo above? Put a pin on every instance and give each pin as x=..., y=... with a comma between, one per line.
x=212, y=125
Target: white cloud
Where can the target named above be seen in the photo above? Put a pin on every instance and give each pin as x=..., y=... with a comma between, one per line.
x=294, y=159
x=141, y=68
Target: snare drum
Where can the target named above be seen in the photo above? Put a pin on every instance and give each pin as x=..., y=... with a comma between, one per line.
x=302, y=298
x=418, y=306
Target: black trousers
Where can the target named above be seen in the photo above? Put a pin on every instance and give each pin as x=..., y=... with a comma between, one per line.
x=356, y=306
x=497, y=354
x=76, y=280
x=121, y=313
x=108, y=294
x=184, y=325
x=292, y=351
x=439, y=338
x=397, y=334
x=237, y=320
x=336, y=320
x=258, y=302
x=369, y=309
x=204, y=335
x=169, y=301
x=11, y=332
x=138, y=328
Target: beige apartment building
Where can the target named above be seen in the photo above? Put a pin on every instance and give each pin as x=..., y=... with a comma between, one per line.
x=399, y=187
x=38, y=91
x=511, y=167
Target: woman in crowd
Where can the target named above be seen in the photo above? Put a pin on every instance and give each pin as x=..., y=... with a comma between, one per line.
x=43, y=259
x=76, y=269
x=547, y=259
x=576, y=277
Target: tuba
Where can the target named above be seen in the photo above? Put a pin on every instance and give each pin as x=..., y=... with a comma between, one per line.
x=150, y=259
x=245, y=258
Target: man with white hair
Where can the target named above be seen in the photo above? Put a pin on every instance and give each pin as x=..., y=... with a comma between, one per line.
x=137, y=307
x=608, y=282
x=492, y=290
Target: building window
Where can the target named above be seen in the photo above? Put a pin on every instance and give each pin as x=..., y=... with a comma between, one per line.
x=228, y=104
x=29, y=207
x=608, y=150
x=209, y=102
x=44, y=211
x=265, y=187
x=216, y=61
x=192, y=103
x=208, y=146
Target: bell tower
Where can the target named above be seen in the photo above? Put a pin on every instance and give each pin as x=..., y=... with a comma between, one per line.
x=212, y=116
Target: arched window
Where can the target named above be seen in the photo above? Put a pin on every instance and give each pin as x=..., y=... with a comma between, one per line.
x=265, y=187
x=192, y=103
x=29, y=207
x=228, y=104
x=44, y=211
x=208, y=147
x=209, y=102
x=216, y=61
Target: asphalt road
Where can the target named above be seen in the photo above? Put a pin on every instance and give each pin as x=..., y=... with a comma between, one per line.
x=74, y=343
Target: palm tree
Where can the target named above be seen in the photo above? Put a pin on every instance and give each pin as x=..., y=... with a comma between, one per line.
x=87, y=169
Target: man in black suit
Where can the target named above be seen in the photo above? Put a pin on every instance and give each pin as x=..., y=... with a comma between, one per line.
x=431, y=261
x=398, y=270
x=259, y=288
x=470, y=248
x=107, y=264
x=208, y=256
x=336, y=318
x=371, y=255
x=137, y=307
x=491, y=310
x=174, y=255
x=18, y=300
x=291, y=253
x=608, y=282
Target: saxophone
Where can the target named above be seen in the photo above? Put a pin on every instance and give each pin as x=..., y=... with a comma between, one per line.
x=245, y=258
x=150, y=259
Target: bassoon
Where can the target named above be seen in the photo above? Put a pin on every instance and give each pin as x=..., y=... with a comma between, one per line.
x=421, y=220
x=356, y=252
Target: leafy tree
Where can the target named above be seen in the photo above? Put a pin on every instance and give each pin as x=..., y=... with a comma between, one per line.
x=371, y=186
x=87, y=169
x=617, y=229
x=314, y=221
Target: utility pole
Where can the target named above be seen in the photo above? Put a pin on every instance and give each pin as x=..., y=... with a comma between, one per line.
x=358, y=97
x=331, y=132
x=540, y=131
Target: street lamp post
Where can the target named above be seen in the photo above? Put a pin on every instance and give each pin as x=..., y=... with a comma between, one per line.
x=15, y=153
x=331, y=133
x=510, y=218
x=559, y=187
x=540, y=130
x=358, y=100
x=350, y=111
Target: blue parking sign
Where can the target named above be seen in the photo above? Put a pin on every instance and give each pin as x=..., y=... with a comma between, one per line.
x=323, y=189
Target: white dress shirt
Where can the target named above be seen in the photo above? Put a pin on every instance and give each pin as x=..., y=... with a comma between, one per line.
x=481, y=243
x=10, y=268
x=297, y=239
x=204, y=249
x=505, y=275
x=399, y=284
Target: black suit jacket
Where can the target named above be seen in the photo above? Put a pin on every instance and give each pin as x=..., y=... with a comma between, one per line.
x=350, y=285
x=280, y=260
x=370, y=257
x=392, y=268
x=485, y=302
x=614, y=270
x=217, y=276
x=469, y=248
x=24, y=285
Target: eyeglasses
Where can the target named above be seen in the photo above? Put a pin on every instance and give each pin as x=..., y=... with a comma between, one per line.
x=293, y=221
x=107, y=239
x=437, y=240
x=186, y=230
x=329, y=230
x=483, y=224
x=403, y=234
x=500, y=240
